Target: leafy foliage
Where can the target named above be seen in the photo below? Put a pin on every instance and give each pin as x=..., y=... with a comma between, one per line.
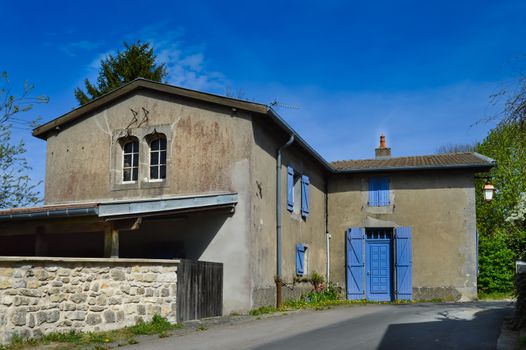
x=137, y=60
x=496, y=263
x=16, y=188
x=502, y=241
x=456, y=148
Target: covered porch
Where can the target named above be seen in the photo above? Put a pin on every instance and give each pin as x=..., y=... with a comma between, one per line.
x=166, y=228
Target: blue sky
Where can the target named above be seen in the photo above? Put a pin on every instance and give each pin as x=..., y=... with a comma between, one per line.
x=421, y=72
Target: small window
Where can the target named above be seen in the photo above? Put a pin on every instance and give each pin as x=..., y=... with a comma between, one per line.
x=130, y=164
x=297, y=192
x=379, y=192
x=158, y=159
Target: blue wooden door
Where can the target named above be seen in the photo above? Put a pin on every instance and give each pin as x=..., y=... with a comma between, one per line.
x=378, y=266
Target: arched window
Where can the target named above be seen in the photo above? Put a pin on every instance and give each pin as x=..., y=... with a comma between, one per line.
x=130, y=160
x=158, y=158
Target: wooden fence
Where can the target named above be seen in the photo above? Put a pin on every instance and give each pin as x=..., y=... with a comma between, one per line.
x=199, y=290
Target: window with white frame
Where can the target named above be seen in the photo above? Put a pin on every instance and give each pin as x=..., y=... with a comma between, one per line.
x=158, y=158
x=130, y=160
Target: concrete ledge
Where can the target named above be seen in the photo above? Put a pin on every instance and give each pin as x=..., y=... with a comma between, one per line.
x=87, y=260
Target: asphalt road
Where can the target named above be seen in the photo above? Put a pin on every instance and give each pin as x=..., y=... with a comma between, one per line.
x=419, y=326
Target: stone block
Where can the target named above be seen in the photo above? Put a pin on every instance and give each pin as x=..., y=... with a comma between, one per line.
x=93, y=319
x=77, y=316
x=96, y=308
x=140, y=290
x=40, y=317
x=109, y=316
x=125, y=289
x=52, y=316
x=57, y=284
x=7, y=300
x=141, y=310
x=148, y=292
x=165, y=292
x=114, y=301
x=21, y=283
x=51, y=268
x=18, y=317
x=118, y=275
x=31, y=322
x=31, y=293
x=21, y=301
x=120, y=316
x=78, y=298
x=33, y=283
x=6, y=271
x=58, y=298
x=63, y=272
x=70, y=307
x=5, y=283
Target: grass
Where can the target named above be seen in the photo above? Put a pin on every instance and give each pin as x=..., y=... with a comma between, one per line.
x=96, y=340
x=496, y=295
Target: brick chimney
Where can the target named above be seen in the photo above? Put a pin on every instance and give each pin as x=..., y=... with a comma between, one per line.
x=382, y=151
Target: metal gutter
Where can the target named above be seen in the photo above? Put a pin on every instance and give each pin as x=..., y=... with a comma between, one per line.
x=111, y=209
x=72, y=212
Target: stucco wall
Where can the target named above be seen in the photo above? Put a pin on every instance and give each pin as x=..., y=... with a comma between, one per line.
x=39, y=296
x=440, y=209
x=295, y=229
x=210, y=150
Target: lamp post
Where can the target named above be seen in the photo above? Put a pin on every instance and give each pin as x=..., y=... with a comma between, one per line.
x=489, y=191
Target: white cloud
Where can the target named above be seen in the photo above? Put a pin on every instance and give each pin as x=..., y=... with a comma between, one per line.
x=186, y=64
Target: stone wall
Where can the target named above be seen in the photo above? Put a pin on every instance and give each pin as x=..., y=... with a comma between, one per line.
x=43, y=295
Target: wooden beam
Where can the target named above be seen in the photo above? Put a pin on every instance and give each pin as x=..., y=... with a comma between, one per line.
x=111, y=242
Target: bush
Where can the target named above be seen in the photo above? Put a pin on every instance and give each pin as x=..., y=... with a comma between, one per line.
x=496, y=264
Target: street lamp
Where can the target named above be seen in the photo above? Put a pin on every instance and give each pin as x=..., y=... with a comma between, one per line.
x=489, y=191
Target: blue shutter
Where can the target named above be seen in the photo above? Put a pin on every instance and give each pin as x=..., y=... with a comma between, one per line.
x=404, y=284
x=355, y=263
x=373, y=192
x=290, y=188
x=305, y=195
x=383, y=191
x=300, y=259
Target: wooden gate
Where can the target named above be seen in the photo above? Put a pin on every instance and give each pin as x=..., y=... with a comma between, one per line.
x=199, y=290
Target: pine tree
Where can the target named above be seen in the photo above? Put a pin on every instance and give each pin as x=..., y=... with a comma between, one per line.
x=137, y=60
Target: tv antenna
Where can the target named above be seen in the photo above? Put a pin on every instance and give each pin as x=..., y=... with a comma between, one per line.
x=277, y=103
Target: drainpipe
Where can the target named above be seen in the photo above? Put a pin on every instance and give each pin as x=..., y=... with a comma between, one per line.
x=327, y=234
x=279, y=274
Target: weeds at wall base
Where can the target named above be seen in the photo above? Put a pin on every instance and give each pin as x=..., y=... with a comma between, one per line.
x=97, y=340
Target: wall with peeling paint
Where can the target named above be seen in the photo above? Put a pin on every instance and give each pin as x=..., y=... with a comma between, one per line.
x=440, y=208
x=210, y=150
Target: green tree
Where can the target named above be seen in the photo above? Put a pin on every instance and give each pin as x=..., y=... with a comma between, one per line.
x=137, y=60
x=16, y=187
x=502, y=239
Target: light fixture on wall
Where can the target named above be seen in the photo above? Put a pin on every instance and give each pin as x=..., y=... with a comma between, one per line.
x=489, y=191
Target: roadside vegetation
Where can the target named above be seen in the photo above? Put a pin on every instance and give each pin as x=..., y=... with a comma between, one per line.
x=96, y=340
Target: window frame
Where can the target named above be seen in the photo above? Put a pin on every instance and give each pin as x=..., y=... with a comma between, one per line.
x=135, y=156
x=159, y=165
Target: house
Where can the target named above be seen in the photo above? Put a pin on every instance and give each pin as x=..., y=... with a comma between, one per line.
x=157, y=172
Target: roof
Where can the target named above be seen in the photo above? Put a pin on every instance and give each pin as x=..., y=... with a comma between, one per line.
x=472, y=161
x=466, y=160
x=110, y=210
x=43, y=131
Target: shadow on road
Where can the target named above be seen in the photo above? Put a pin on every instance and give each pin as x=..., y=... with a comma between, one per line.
x=447, y=332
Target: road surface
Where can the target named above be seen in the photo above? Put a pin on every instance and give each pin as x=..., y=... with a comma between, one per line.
x=417, y=326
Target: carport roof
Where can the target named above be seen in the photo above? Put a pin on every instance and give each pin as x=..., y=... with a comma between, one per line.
x=125, y=208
